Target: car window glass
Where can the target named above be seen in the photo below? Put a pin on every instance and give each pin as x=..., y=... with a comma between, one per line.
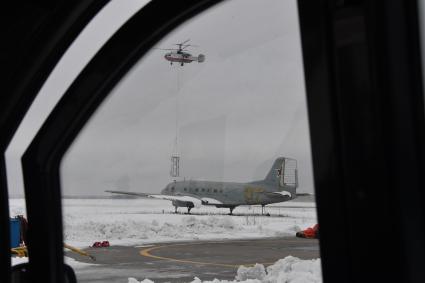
x=212, y=121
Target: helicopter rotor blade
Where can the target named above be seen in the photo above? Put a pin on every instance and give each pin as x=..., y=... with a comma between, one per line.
x=191, y=45
x=165, y=48
x=187, y=45
x=182, y=43
x=185, y=41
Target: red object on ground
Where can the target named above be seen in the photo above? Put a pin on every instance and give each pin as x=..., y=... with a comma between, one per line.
x=310, y=233
x=103, y=244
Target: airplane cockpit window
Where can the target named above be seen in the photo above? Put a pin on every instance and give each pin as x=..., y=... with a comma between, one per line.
x=216, y=114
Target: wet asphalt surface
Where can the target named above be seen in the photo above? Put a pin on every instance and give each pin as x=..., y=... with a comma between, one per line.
x=181, y=262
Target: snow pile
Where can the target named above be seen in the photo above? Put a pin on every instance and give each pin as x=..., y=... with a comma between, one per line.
x=17, y=207
x=77, y=264
x=129, y=229
x=292, y=269
x=287, y=270
x=211, y=223
x=70, y=261
x=18, y=260
x=133, y=280
x=256, y=272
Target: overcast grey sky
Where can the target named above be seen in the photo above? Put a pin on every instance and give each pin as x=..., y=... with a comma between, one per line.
x=238, y=111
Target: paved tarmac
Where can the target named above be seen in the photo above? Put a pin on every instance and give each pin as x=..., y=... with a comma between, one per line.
x=181, y=262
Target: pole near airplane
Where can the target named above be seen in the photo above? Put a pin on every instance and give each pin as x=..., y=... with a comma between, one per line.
x=279, y=185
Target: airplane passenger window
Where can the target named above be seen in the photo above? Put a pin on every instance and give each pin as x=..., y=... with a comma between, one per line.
x=198, y=166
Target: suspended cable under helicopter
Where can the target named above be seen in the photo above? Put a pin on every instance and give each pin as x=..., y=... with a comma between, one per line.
x=181, y=56
x=175, y=156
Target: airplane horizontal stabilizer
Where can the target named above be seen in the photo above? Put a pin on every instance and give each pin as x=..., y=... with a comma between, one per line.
x=280, y=196
x=281, y=193
x=304, y=194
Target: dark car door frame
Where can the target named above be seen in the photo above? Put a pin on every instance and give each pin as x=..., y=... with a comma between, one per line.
x=35, y=35
x=365, y=103
x=41, y=161
x=366, y=108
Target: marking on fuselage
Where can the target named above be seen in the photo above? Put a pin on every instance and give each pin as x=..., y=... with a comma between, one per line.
x=252, y=194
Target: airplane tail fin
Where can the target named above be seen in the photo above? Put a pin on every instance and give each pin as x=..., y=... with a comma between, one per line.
x=283, y=173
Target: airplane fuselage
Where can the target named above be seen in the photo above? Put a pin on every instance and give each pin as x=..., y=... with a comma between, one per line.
x=226, y=194
x=280, y=184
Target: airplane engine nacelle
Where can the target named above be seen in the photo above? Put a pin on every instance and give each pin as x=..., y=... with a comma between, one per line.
x=201, y=58
x=180, y=203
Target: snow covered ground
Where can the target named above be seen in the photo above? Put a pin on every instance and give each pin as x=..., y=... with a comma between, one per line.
x=141, y=221
x=145, y=221
x=287, y=270
x=19, y=260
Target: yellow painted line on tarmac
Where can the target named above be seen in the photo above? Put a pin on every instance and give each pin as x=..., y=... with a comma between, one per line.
x=146, y=253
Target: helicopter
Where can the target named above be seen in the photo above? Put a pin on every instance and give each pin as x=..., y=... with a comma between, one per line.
x=181, y=56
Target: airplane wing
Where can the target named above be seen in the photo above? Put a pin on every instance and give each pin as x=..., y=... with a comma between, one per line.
x=129, y=193
x=210, y=201
x=196, y=201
